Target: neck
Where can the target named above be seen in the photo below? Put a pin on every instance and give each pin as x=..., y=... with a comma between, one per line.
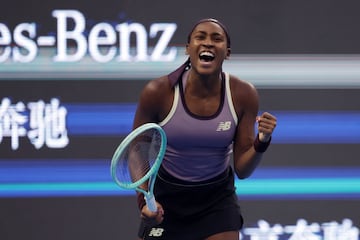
x=203, y=85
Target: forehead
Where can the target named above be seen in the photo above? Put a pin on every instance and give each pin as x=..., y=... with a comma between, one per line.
x=209, y=27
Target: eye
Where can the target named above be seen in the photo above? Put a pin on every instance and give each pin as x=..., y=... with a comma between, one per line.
x=218, y=38
x=199, y=37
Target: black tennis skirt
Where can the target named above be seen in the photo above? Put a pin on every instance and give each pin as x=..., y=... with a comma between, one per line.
x=194, y=212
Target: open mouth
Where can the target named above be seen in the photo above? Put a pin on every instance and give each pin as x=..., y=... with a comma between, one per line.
x=206, y=56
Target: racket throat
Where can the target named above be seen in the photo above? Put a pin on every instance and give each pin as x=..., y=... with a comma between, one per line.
x=150, y=202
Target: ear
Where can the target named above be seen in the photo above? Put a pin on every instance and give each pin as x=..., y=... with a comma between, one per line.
x=228, y=53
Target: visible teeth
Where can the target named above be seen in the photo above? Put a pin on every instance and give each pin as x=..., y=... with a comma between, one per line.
x=206, y=54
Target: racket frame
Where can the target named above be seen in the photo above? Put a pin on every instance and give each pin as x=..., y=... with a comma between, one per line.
x=151, y=174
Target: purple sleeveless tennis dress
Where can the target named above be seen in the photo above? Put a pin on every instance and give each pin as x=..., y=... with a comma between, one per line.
x=199, y=148
x=195, y=184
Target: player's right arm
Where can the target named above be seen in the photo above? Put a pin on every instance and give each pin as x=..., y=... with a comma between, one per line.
x=154, y=102
x=151, y=108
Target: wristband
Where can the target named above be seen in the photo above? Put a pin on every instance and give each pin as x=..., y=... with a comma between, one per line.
x=260, y=146
x=141, y=200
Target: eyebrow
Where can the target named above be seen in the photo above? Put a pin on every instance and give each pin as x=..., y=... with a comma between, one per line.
x=213, y=33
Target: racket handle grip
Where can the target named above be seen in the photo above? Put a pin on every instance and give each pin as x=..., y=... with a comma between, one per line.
x=151, y=203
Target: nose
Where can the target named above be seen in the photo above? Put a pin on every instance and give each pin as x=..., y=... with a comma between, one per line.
x=208, y=41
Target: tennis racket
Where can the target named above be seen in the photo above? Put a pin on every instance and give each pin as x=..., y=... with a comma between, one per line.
x=137, y=160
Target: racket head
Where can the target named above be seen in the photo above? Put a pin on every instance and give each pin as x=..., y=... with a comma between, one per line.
x=138, y=157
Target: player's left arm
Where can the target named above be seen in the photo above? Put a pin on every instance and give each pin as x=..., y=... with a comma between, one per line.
x=248, y=150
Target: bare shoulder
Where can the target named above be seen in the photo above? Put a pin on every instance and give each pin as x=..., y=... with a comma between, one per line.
x=155, y=100
x=241, y=88
x=244, y=95
x=156, y=86
x=156, y=89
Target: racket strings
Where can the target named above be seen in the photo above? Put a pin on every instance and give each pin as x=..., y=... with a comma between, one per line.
x=138, y=157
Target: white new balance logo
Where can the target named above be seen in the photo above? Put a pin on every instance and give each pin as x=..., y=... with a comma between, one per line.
x=156, y=232
x=223, y=126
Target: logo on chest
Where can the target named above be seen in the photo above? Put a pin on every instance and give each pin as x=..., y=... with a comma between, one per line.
x=224, y=126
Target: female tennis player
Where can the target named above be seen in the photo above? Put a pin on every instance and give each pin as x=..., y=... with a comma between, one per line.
x=209, y=118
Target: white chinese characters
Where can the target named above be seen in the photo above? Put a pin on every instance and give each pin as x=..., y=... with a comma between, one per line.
x=302, y=231
x=42, y=123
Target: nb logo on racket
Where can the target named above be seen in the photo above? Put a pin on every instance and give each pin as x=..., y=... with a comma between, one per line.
x=156, y=232
x=224, y=126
